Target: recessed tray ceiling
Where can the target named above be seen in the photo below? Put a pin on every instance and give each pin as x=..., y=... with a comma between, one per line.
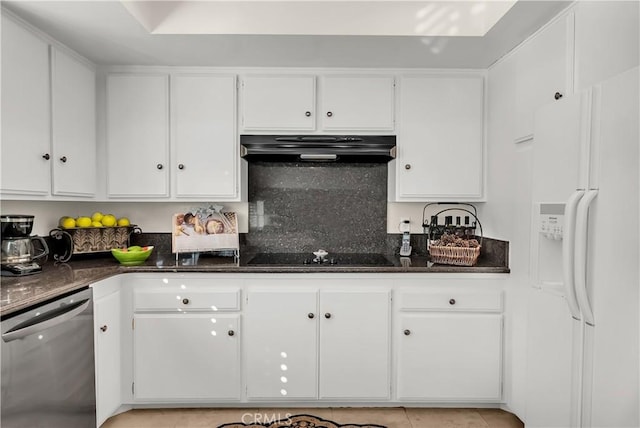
x=106, y=33
x=320, y=17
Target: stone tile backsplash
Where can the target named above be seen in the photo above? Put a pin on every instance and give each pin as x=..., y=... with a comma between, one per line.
x=301, y=207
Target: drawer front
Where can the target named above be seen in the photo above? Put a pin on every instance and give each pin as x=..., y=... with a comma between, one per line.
x=201, y=299
x=451, y=301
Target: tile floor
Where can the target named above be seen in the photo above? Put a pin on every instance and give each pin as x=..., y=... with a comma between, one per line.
x=396, y=417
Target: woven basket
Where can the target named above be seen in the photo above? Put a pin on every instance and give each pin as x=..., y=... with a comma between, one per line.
x=459, y=256
x=89, y=240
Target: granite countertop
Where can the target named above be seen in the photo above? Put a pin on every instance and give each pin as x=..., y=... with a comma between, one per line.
x=56, y=279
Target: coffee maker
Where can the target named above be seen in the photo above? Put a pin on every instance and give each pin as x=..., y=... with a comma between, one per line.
x=20, y=250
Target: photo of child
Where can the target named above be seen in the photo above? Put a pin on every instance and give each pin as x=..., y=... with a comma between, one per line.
x=204, y=230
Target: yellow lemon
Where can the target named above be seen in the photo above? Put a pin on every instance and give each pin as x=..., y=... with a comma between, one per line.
x=97, y=216
x=96, y=224
x=67, y=222
x=109, y=220
x=123, y=222
x=83, y=222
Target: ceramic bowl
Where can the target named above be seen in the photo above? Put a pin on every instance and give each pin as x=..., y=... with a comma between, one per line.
x=132, y=258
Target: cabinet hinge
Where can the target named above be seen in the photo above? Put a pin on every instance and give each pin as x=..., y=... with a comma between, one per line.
x=133, y=387
x=133, y=323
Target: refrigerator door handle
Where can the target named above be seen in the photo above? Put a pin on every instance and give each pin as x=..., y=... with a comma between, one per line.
x=568, y=252
x=582, y=229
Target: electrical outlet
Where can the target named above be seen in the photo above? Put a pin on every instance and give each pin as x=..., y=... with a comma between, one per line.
x=405, y=224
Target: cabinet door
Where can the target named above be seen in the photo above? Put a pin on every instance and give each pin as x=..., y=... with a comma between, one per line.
x=543, y=67
x=281, y=355
x=186, y=357
x=440, y=138
x=205, y=152
x=25, y=111
x=354, y=345
x=107, y=355
x=278, y=103
x=138, y=135
x=73, y=126
x=450, y=357
x=358, y=102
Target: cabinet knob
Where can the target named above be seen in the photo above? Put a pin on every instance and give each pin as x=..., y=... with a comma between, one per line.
x=185, y=301
x=180, y=166
x=557, y=95
x=407, y=332
x=452, y=301
x=231, y=333
x=63, y=159
x=46, y=156
x=307, y=113
x=407, y=166
x=327, y=315
x=329, y=114
x=311, y=315
x=159, y=166
x=103, y=328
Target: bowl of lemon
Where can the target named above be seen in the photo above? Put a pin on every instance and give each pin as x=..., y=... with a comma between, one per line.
x=132, y=256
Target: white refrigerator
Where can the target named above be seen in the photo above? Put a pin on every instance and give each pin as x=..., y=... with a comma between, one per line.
x=583, y=350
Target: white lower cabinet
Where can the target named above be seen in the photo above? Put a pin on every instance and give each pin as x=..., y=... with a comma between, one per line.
x=354, y=344
x=450, y=357
x=108, y=350
x=282, y=344
x=311, y=344
x=186, y=336
x=449, y=346
x=186, y=356
x=176, y=338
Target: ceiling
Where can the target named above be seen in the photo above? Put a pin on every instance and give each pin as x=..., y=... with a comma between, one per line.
x=320, y=17
x=169, y=33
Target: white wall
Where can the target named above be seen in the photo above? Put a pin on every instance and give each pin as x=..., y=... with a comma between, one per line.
x=150, y=216
x=156, y=216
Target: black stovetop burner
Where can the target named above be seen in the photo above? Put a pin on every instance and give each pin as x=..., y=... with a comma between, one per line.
x=332, y=259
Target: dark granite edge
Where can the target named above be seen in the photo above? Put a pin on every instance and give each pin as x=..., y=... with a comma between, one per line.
x=58, y=279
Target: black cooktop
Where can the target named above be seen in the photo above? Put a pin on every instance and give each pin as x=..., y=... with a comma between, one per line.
x=332, y=259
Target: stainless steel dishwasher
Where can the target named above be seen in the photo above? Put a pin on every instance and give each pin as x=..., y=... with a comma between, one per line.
x=48, y=375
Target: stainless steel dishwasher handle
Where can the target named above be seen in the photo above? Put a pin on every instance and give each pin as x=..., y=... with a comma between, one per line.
x=50, y=318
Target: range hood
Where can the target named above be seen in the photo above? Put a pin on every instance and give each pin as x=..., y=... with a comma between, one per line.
x=318, y=148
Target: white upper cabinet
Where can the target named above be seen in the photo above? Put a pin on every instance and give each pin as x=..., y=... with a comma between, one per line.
x=205, y=149
x=26, y=138
x=357, y=102
x=346, y=103
x=200, y=155
x=138, y=135
x=74, y=125
x=543, y=73
x=440, y=138
x=279, y=103
x=48, y=117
